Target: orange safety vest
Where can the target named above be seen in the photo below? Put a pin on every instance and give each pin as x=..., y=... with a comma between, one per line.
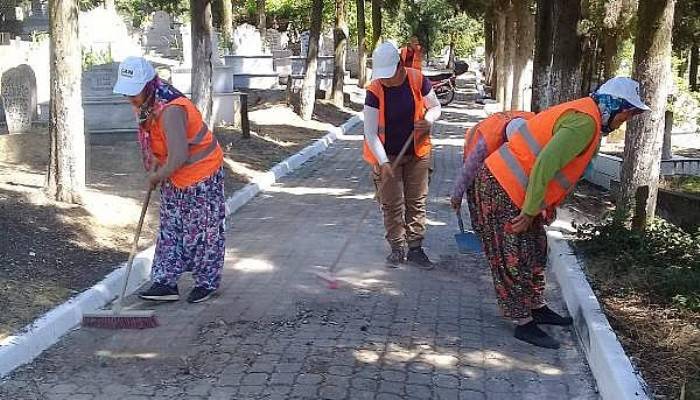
x=512, y=163
x=417, y=62
x=492, y=131
x=205, y=154
x=421, y=144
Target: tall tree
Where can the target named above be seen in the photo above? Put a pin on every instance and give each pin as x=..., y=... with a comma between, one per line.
x=262, y=18
x=522, y=64
x=361, y=50
x=308, y=88
x=65, y=179
x=501, y=62
x=510, y=50
x=340, y=40
x=693, y=69
x=227, y=21
x=557, y=64
x=644, y=136
x=489, y=47
x=376, y=23
x=202, y=31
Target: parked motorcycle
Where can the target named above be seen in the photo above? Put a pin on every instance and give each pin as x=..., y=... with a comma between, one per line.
x=444, y=83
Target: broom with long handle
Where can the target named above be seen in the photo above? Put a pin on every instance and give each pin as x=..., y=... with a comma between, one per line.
x=330, y=277
x=117, y=317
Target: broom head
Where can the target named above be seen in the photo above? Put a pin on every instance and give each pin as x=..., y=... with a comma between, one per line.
x=125, y=319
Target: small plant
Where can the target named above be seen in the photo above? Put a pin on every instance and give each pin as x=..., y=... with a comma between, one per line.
x=95, y=57
x=662, y=263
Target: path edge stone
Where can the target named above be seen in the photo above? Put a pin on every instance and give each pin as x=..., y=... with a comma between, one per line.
x=615, y=376
x=45, y=331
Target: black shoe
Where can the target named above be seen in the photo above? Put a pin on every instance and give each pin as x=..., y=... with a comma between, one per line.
x=199, y=294
x=397, y=256
x=160, y=292
x=531, y=333
x=545, y=316
x=417, y=257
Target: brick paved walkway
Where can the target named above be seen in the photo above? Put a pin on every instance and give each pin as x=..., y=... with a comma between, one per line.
x=276, y=332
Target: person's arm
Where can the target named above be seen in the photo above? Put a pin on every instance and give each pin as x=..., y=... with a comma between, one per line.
x=572, y=135
x=175, y=125
x=433, y=107
x=466, y=174
x=371, y=126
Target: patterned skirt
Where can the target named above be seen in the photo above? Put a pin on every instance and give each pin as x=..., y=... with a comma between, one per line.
x=517, y=261
x=192, y=233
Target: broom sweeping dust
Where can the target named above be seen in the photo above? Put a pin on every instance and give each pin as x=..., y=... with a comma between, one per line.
x=330, y=277
x=118, y=317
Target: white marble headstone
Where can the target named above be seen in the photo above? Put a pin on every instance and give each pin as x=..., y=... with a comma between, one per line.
x=247, y=41
x=18, y=93
x=161, y=35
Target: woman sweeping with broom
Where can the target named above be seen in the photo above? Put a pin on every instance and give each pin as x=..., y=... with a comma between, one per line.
x=185, y=159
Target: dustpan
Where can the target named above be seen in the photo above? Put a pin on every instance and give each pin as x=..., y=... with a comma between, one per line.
x=467, y=241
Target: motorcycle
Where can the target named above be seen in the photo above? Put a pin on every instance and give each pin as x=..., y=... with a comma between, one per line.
x=445, y=83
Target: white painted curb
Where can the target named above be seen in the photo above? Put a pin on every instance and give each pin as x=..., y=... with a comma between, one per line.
x=615, y=376
x=36, y=337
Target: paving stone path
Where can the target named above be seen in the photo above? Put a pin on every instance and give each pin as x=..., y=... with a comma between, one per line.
x=278, y=332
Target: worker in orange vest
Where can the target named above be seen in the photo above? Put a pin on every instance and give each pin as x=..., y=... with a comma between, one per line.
x=535, y=169
x=412, y=54
x=479, y=142
x=400, y=108
x=185, y=159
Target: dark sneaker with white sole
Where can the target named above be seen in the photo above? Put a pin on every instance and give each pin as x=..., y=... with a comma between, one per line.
x=417, y=257
x=545, y=316
x=397, y=256
x=160, y=292
x=199, y=294
x=531, y=333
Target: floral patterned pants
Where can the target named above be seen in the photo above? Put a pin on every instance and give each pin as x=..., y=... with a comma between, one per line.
x=191, y=236
x=517, y=260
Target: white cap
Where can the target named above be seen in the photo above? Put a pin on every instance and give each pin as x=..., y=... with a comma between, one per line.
x=623, y=88
x=385, y=59
x=134, y=73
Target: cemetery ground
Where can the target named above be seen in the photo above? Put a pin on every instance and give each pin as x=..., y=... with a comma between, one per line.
x=53, y=251
x=661, y=336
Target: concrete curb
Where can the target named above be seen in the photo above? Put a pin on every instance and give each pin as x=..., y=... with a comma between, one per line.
x=615, y=376
x=41, y=334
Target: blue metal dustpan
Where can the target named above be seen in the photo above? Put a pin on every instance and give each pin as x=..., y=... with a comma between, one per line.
x=467, y=241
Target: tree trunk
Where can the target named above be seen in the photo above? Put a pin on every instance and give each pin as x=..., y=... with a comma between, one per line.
x=201, y=57
x=501, y=62
x=451, y=54
x=542, y=64
x=262, y=19
x=612, y=40
x=65, y=179
x=361, y=50
x=340, y=35
x=693, y=70
x=488, y=48
x=109, y=4
x=566, y=60
x=227, y=22
x=376, y=23
x=644, y=137
x=510, y=49
x=667, y=149
x=308, y=89
x=522, y=79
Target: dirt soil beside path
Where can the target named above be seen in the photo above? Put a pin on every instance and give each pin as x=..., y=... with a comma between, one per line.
x=662, y=341
x=53, y=251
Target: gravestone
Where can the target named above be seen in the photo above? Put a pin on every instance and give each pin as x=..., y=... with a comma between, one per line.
x=274, y=40
x=186, y=37
x=99, y=80
x=18, y=93
x=247, y=41
x=5, y=38
x=161, y=36
x=326, y=44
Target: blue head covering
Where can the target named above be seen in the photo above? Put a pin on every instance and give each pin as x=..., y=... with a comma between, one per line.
x=609, y=107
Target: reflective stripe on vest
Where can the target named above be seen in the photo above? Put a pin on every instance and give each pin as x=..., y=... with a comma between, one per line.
x=196, y=140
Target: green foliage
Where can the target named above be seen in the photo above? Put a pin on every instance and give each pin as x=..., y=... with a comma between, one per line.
x=92, y=57
x=685, y=103
x=686, y=24
x=296, y=12
x=662, y=263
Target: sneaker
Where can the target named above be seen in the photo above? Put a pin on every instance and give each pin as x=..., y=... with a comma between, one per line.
x=531, y=333
x=545, y=316
x=160, y=292
x=417, y=257
x=397, y=256
x=199, y=294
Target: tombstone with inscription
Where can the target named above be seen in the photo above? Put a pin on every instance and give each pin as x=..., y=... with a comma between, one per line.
x=18, y=91
x=253, y=68
x=104, y=111
x=162, y=37
x=325, y=64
